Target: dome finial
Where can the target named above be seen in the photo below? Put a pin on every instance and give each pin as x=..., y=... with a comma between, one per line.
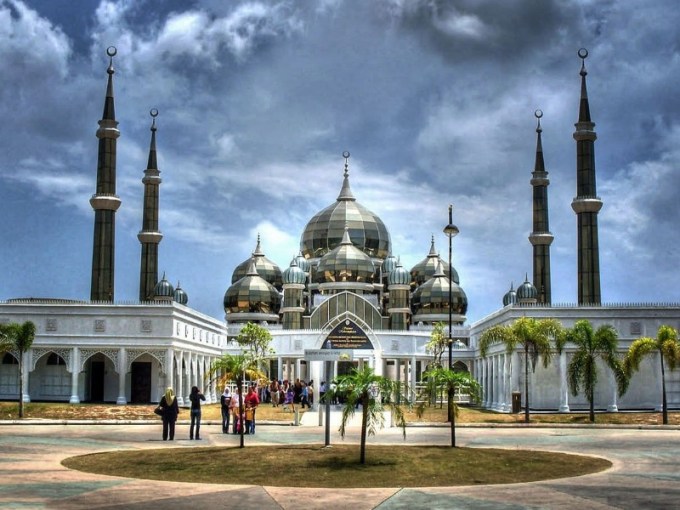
x=583, y=54
x=538, y=114
x=346, y=192
x=345, y=155
x=258, y=249
x=111, y=52
x=154, y=113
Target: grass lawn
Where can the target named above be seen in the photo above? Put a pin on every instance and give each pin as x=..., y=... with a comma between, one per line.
x=316, y=466
x=64, y=411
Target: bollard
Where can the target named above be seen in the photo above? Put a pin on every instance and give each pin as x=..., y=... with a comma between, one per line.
x=320, y=408
x=297, y=418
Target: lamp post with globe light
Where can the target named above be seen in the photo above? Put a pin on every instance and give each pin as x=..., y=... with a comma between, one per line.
x=451, y=231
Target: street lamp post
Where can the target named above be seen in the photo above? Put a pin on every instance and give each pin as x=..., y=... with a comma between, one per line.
x=451, y=231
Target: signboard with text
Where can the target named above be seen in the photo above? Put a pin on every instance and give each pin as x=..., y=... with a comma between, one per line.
x=347, y=335
x=329, y=355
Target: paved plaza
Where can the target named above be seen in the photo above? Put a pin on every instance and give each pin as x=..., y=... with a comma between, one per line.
x=645, y=475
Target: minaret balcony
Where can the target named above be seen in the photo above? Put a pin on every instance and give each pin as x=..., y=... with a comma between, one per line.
x=108, y=129
x=149, y=237
x=152, y=176
x=584, y=131
x=586, y=204
x=105, y=202
x=540, y=179
x=541, y=238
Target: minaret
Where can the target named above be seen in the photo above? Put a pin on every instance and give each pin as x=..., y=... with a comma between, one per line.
x=586, y=204
x=541, y=238
x=150, y=236
x=105, y=202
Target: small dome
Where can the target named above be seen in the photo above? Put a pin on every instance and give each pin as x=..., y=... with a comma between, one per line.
x=302, y=262
x=252, y=294
x=425, y=269
x=324, y=231
x=389, y=264
x=345, y=263
x=526, y=291
x=163, y=289
x=432, y=297
x=180, y=296
x=293, y=274
x=510, y=297
x=399, y=276
x=265, y=268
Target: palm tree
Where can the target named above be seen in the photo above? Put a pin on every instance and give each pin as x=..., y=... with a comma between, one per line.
x=533, y=335
x=21, y=336
x=666, y=344
x=363, y=386
x=236, y=367
x=450, y=381
x=6, y=343
x=591, y=345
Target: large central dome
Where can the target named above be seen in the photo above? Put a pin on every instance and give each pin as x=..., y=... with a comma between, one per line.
x=325, y=230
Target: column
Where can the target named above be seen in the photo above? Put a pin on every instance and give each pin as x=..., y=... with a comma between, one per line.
x=169, y=369
x=179, y=391
x=122, y=371
x=279, y=368
x=613, y=406
x=507, y=406
x=564, y=387
x=414, y=381
x=485, y=392
x=659, y=383
x=27, y=362
x=75, y=371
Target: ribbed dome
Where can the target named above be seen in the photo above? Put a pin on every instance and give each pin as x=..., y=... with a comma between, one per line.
x=302, y=262
x=425, y=269
x=180, y=296
x=526, y=291
x=389, y=264
x=432, y=297
x=510, y=297
x=252, y=294
x=324, y=231
x=265, y=268
x=399, y=276
x=293, y=274
x=345, y=263
x=163, y=289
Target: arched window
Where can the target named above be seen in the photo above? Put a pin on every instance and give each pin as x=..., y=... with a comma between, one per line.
x=8, y=359
x=55, y=359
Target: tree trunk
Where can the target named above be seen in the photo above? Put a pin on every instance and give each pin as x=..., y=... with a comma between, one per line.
x=21, y=384
x=452, y=414
x=364, y=424
x=591, y=400
x=664, y=403
x=526, y=383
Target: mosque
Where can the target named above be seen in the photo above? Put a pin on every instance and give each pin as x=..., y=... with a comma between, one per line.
x=345, y=290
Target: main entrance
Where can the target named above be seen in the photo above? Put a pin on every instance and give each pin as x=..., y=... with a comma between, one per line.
x=140, y=382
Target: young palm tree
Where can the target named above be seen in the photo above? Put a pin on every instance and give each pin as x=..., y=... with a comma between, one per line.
x=21, y=336
x=591, y=345
x=533, y=335
x=6, y=343
x=449, y=381
x=363, y=387
x=237, y=367
x=668, y=347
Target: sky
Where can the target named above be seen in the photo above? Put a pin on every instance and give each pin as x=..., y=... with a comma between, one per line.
x=257, y=101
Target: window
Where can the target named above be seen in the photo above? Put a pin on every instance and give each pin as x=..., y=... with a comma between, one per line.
x=55, y=359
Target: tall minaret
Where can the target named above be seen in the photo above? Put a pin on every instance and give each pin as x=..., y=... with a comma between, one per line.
x=541, y=238
x=105, y=202
x=586, y=204
x=150, y=236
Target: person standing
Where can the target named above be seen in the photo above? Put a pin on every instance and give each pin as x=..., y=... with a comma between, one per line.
x=195, y=396
x=304, y=396
x=236, y=401
x=169, y=412
x=251, y=401
x=225, y=403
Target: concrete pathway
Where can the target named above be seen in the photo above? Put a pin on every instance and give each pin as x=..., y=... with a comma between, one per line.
x=646, y=472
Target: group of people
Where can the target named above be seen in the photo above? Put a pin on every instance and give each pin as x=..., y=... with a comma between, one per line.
x=237, y=412
x=169, y=410
x=288, y=395
x=241, y=409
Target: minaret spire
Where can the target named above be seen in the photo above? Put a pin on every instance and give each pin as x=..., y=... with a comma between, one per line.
x=346, y=192
x=586, y=204
x=540, y=237
x=105, y=202
x=150, y=236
